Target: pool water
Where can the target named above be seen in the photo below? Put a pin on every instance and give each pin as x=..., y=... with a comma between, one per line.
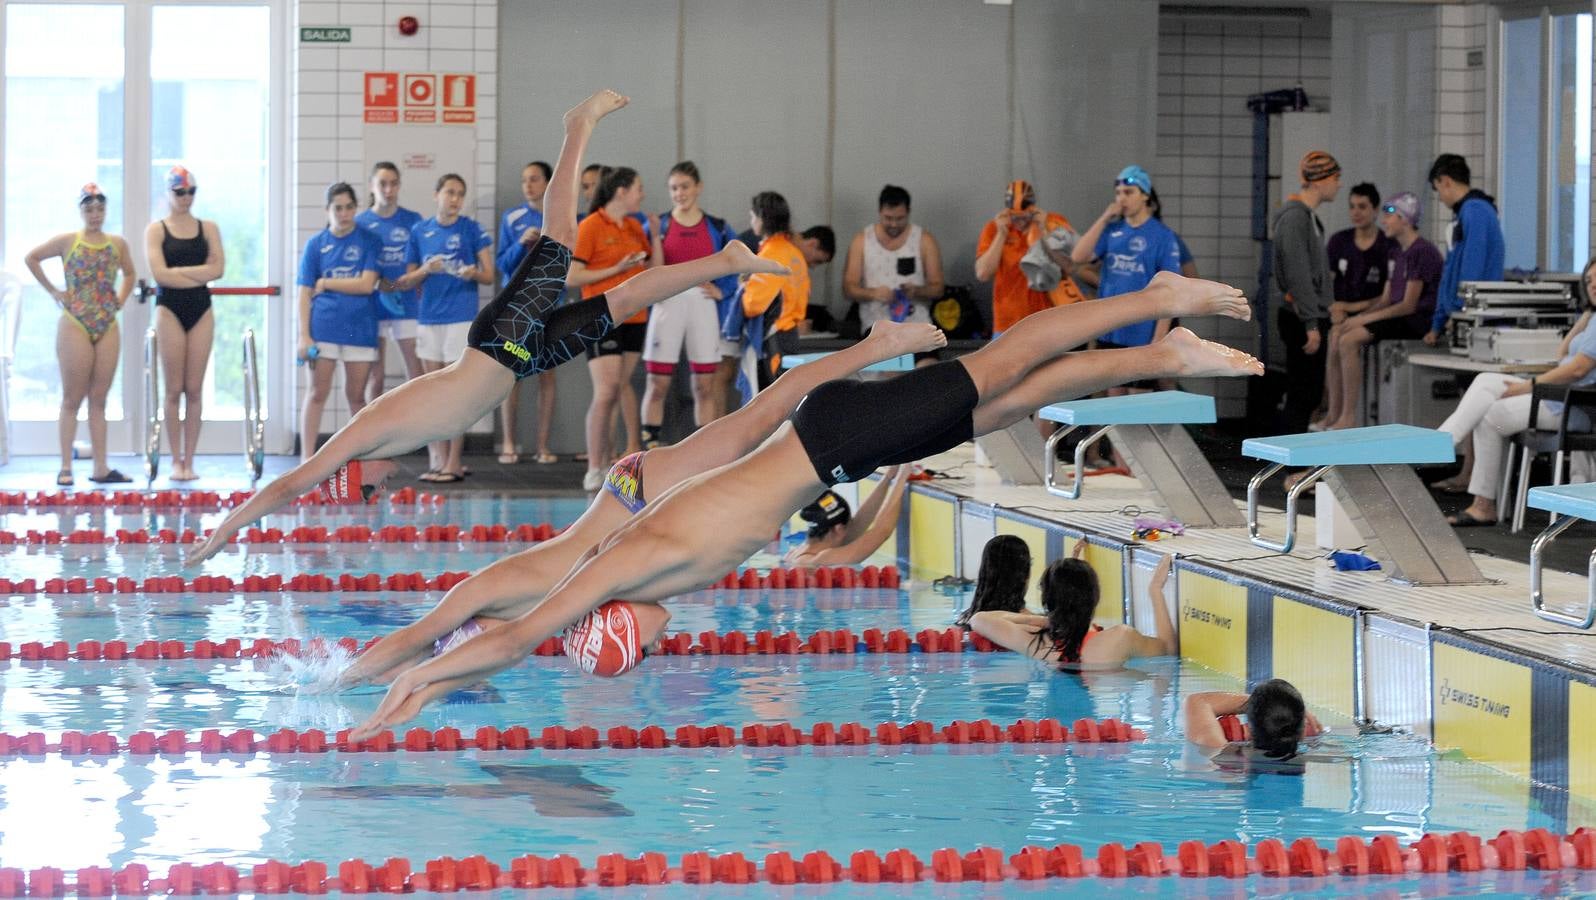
x=243, y=809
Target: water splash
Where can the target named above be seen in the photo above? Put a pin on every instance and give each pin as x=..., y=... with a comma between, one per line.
x=315, y=671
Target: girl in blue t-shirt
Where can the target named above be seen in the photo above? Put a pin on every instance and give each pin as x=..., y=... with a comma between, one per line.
x=337, y=312
x=391, y=224
x=449, y=255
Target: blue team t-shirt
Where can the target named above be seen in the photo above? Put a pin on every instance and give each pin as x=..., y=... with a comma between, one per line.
x=337, y=318
x=393, y=233
x=445, y=298
x=1131, y=256
x=516, y=222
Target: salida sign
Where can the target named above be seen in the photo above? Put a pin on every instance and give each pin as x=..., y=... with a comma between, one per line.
x=420, y=98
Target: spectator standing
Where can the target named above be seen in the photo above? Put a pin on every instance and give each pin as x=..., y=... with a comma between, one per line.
x=1004, y=242
x=1130, y=245
x=518, y=231
x=1302, y=272
x=391, y=224
x=894, y=267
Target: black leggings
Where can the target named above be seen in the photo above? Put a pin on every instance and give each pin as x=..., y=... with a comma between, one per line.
x=851, y=428
x=526, y=330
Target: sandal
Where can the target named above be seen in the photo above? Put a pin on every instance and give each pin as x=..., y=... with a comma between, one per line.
x=64, y=479
x=1464, y=520
x=509, y=459
x=1452, y=485
x=545, y=458
x=448, y=478
x=429, y=475
x=112, y=476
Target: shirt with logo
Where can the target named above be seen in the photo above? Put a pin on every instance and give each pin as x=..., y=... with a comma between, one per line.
x=516, y=223
x=1130, y=256
x=335, y=317
x=445, y=297
x=393, y=234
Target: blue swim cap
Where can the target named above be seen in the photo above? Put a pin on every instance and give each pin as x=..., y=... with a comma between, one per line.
x=1136, y=177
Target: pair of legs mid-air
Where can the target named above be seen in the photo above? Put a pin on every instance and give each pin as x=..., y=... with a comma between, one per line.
x=523, y=331
x=513, y=586
x=840, y=432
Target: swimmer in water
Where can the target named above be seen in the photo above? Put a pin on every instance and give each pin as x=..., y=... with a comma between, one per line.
x=1000, y=584
x=513, y=586
x=842, y=431
x=522, y=332
x=1276, y=716
x=1064, y=634
x=836, y=537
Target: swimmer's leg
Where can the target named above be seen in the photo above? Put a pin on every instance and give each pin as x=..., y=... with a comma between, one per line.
x=559, y=198
x=650, y=286
x=1179, y=354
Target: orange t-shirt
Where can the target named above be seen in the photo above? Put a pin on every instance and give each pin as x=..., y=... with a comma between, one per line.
x=1012, y=297
x=763, y=288
x=602, y=242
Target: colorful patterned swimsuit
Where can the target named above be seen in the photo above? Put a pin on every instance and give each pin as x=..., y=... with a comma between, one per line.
x=91, y=299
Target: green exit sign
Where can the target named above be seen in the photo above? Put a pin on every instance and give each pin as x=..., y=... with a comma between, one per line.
x=323, y=35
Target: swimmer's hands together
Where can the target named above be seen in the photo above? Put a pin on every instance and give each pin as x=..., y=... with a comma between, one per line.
x=206, y=549
x=403, y=702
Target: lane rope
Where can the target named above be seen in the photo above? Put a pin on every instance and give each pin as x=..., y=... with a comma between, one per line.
x=302, y=534
x=173, y=499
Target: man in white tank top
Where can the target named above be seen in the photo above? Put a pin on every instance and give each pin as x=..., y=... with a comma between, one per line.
x=894, y=269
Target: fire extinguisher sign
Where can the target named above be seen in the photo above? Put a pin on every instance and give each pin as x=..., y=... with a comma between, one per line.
x=420, y=98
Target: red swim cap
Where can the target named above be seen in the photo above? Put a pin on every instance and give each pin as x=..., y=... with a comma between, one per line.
x=606, y=641
x=344, y=485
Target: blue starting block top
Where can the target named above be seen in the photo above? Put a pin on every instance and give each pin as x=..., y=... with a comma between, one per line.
x=896, y=364
x=1576, y=500
x=1156, y=408
x=1374, y=446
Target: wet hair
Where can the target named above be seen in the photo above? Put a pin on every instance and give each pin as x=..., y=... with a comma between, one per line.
x=1452, y=166
x=545, y=168
x=341, y=187
x=445, y=179
x=383, y=166
x=1367, y=191
x=775, y=216
x=1276, y=715
x=686, y=167
x=892, y=195
x=824, y=237
x=1069, y=600
x=1000, y=586
x=610, y=182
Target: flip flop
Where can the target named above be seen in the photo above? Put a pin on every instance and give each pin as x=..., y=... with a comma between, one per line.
x=1464, y=520
x=429, y=475
x=64, y=479
x=111, y=477
x=545, y=459
x=509, y=459
x=448, y=478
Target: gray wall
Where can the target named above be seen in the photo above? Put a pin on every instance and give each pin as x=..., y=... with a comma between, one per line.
x=922, y=93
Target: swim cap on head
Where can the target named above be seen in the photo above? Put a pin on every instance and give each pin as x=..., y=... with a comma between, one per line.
x=1318, y=165
x=179, y=177
x=1019, y=195
x=344, y=486
x=828, y=511
x=90, y=193
x=605, y=642
x=1136, y=177
x=1406, y=205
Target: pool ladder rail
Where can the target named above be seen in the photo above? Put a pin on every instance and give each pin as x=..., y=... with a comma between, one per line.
x=254, y=416
x=152, y=406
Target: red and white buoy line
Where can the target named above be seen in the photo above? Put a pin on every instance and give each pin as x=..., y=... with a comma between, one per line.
x=171, y=500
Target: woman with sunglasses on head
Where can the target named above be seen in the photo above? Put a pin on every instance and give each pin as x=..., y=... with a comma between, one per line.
x=185, y=255
x=87, y=340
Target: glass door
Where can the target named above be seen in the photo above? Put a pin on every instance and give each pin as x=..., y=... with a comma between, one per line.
x=118, y=93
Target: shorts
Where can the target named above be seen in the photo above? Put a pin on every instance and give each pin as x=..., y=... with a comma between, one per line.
x=688, y=320
x=397, y=329
x=345, y=352
x=1398, y=329
x=1145, y=384
x=442, y=343
x=525, y=329
x=624, y=338
x=851, y=428
x=731, y=349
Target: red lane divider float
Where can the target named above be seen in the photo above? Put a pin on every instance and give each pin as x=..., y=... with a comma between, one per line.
x=1304, y=858
x=303, y=534
x=177, y=499
x=707, y=643
x=556, y=737
x=840, y=577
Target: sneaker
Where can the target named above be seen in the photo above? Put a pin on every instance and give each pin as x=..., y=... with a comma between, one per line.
x=593, y=480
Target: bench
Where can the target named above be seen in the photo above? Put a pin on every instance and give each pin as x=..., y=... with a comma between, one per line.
x=1573, y=502
x=1370, y=472
x=902, y=363
x=1149, y=431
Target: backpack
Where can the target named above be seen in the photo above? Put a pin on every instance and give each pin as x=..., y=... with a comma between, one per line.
x=956, y=313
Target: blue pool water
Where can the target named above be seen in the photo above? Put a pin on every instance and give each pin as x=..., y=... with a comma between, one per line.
x=244, y=809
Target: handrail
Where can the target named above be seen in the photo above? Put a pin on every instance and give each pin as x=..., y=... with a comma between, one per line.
x=270, y=290
x=1050, y=461
x=254, y=420
x=1295, y=491
x=1537, y=585
x=152, y=407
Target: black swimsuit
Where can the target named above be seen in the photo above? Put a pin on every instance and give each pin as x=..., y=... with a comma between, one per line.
x=188, y=304
x=525, y=329
x=851, y=428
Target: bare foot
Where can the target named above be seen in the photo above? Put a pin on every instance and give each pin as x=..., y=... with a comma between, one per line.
x=1341, y=425
x=596, y=107
x=742, y=259
x=183, y=473
x=1196, y=297
x=898, y=338
x=1197, y=358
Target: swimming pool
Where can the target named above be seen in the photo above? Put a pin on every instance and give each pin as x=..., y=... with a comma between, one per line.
x=245, y=809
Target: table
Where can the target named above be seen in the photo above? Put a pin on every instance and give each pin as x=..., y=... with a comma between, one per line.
x=1464, y=364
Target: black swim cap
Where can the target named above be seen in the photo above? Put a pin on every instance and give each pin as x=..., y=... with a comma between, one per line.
x=827, y=512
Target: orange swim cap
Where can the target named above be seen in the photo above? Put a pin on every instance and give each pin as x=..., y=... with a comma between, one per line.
x=606, y=642
x=1020, y=195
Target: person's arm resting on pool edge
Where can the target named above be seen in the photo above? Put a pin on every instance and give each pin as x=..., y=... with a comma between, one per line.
x=1201, y=713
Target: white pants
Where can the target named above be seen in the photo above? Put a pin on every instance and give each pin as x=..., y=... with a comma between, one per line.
x=1492, y=421
x=689, y=319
